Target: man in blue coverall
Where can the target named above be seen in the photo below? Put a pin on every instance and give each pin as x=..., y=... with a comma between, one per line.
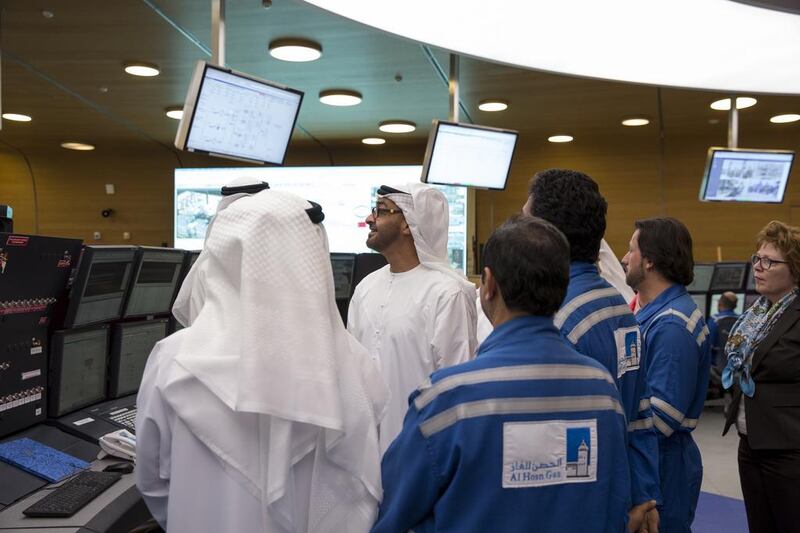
x=530, y=435
x=659, y=264
x=596, y=320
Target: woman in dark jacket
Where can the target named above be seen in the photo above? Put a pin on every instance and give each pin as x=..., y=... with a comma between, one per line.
x=763, y=365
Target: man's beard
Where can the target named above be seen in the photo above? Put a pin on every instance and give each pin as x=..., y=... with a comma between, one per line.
x=634, y=277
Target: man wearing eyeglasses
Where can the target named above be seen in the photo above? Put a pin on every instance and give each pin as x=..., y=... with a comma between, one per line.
x=659, y=264
x=416, y=314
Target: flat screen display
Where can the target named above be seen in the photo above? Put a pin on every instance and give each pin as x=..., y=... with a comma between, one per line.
x=702, y=278
x=132, y=346
x=701, y=303
x=345, y=193
x=740, y=303
x=468, y=155
x=81, y=378
x=728, y=277
x=235, y=115
x=736, y=175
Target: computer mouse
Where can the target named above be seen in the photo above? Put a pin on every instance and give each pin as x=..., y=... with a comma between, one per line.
x=122, y=468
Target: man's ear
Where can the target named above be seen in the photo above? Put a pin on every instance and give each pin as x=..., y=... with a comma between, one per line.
x=405, y=229
x=648, y=265
x=489, y=283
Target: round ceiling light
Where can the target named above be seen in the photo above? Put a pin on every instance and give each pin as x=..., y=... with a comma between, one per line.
x=373, y=140
x=493, y=105
x=397, y=126
x=142, y=69
x=16, y=117
x=295, y=50
x=636, y=121
x=742, y=102
x=175, y=112
x=82, y=147
x=560, y=138
x=340, y=97
x=778, y=119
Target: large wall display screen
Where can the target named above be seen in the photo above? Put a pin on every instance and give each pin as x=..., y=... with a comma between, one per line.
x=345, y=193
x=734, y=175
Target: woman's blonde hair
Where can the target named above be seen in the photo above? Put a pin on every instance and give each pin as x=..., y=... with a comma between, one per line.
x=785, y=238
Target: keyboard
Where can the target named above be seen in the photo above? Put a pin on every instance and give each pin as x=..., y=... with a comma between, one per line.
x=73, y=495
x=124, y=417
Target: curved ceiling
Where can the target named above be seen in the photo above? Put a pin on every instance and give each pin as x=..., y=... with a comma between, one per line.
x=700, y=44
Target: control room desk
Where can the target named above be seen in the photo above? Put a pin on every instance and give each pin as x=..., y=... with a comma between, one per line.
x=118, y=509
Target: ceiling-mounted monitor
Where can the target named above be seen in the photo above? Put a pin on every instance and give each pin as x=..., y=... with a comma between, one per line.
x=234, y=115
x=739, y=175
x=468, y=155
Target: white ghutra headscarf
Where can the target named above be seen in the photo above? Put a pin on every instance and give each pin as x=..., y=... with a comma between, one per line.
x=267, y=375
x=426, y=212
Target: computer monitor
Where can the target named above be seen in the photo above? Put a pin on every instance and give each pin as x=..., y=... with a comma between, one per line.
x=235, y=115
x=744, y=175
x=750, y=299
x=155, y=282
x=740, y=303
x=343, y=265
x=77, y=376
x=468, y=155
x=131, y=345
x=365, y=265
x=701, y=301
x=751, y=281
x=729, y=277
x=101, y=284
x=703, y=272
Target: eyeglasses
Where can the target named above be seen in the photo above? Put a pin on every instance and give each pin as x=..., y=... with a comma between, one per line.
x=379, y=211
x=766, y=262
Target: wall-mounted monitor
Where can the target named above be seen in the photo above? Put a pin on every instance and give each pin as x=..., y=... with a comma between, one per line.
x=101, y=284
x=155, y=282
x=703, y=272
x=77, y=369
x=345, y=193
x=740, y=303
x=738, y=175
x=234, y=115
x=729, y=277
x=468, y=155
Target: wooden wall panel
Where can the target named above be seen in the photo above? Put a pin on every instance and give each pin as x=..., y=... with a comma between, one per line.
x=628, y=168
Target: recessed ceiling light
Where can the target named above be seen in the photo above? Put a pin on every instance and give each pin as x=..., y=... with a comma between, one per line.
x=397, y=126
x=373, y=140
x=142, y=69
x=48, y=14
x=493, y=105
x=340, y=97
x=16, y=117
x=742, y=102
x=560, y=138
x=175, y=112
x=636, y=121
x=296, y=50
x=77, y=146
x=778, y=119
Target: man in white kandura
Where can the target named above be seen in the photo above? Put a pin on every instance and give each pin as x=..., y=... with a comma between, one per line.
x=261, y=415
x=416, y=314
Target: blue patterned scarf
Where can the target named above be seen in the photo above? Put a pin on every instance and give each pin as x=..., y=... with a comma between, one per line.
x=751, y=328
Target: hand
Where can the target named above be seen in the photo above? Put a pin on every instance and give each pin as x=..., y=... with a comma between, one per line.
x=651, y=522
x=639, y=517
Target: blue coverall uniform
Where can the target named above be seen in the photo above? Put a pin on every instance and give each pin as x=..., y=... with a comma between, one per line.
x=597, y=321
x=677, y=361
x=528, y=436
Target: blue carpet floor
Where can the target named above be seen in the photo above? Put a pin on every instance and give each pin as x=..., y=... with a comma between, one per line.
x=719, y=514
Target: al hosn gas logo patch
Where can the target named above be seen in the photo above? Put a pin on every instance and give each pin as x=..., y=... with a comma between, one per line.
x=553, y=452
